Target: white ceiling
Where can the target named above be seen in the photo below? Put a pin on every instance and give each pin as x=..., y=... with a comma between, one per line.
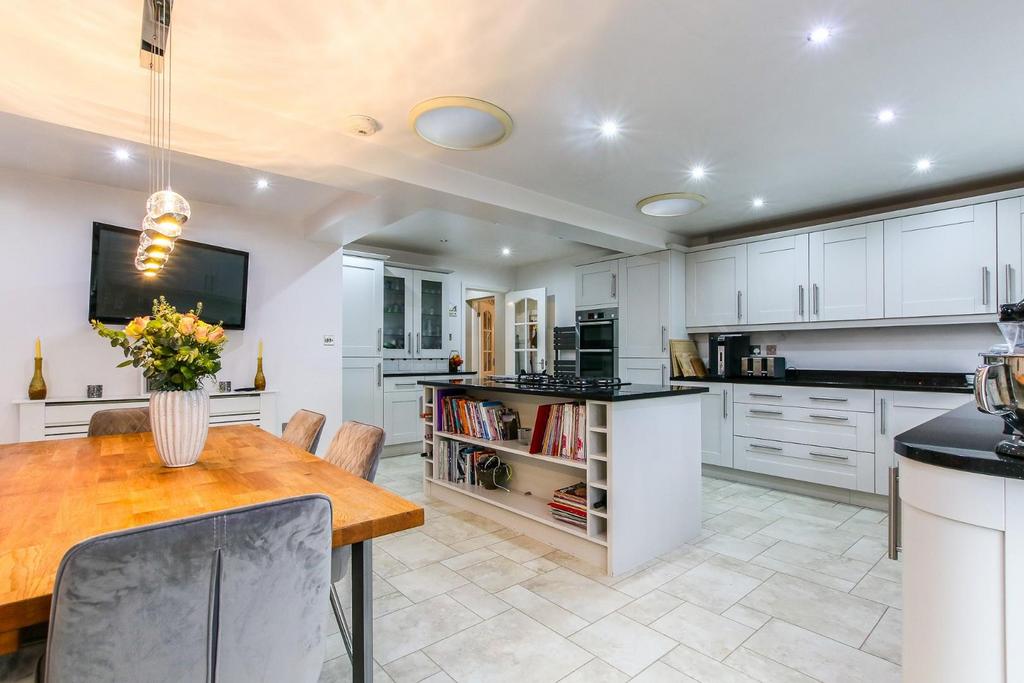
x=732, y=84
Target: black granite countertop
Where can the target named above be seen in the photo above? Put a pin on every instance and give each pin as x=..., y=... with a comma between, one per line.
x=953, y=382
x=962, y=439
x=428, y=373
x=626, y=392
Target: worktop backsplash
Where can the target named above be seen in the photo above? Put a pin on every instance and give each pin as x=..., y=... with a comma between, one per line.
x=946, y=348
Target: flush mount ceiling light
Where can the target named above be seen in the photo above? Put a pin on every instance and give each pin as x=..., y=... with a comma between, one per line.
x=671, y=204
x=460, y=123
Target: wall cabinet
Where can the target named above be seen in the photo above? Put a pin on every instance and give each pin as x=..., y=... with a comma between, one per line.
x=777, y=280
x=399, y=312
x=716, y=422
x=644, y=370
x=898, y=411
x=362, y=390
x=1010, y=249
x=597, y=284
x=362, y=318
x=846, y=268
x=716, y=284
x=941, y=262
x=645, y=306
x=430, y=316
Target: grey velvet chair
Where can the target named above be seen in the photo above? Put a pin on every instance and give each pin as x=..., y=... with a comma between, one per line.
x=231, y=596
x=356, y=448
x=304, y=430
x=119, y=421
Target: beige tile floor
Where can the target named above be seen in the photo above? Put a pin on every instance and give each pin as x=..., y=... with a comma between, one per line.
x=778, y=588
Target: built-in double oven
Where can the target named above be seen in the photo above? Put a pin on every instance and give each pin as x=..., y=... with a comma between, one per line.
x=598, y=348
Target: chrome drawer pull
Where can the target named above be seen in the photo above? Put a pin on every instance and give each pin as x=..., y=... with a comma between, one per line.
x=767, y=448
x=766, y=412
x=765, y=395
x=829, y=455
x=895, y=514
x=828, y=398
x=829, y=417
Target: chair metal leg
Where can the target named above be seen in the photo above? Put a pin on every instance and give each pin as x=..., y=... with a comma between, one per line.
x=362, y=612
x=339, y=616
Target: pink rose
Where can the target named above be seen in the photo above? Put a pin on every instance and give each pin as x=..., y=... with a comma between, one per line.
x=216, y=335
x=187, y=323
x=136, y=327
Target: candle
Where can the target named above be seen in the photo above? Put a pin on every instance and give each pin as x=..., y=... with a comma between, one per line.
x=39, y=349
x=260, y=354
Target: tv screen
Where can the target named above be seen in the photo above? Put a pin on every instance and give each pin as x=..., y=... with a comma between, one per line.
x=195, y=272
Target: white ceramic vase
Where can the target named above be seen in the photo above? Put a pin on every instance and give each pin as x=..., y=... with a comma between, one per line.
x=180, y=421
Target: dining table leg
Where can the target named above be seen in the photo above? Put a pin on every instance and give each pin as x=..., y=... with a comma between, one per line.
x=362, y=612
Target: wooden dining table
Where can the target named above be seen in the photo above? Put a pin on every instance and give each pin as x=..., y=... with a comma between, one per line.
x=54, y=494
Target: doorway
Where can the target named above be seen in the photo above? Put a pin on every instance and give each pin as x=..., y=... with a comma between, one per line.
x=483, y=334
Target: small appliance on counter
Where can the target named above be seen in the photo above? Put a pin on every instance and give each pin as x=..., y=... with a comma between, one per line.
x=763, y=366
x=999, y=381
x=725, y=353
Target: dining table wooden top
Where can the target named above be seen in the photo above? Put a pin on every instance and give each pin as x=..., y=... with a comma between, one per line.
x=54, y=494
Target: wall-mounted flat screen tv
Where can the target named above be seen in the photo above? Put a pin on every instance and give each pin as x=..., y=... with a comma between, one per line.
x=195, y=272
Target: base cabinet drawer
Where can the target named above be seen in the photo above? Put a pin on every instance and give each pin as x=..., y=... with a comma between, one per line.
x=842, y=429
x=860, y=400
x=816, y=464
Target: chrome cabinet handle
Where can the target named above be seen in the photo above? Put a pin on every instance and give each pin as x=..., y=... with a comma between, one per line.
x=739, y=305
x=800, y=298
x=828, y=455
x=380, y=373
x=828, y=398
x=614, y=284
x=1009, y=284
x=765, y=395
x=419, y=343
x=814, y=293
x=984, y=285
x=409, y=347
x=664, y=338
x=895, y=514
x=405, y=384
x=725, y=403
x=881, y=419
x=829, y=417
x=664, y=380
x=766, y=412
x=380, y=339
x=767, y=448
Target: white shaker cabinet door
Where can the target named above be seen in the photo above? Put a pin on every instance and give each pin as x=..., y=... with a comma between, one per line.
x=777, y=280
x=597, y=284
x=1010, y=248
x=846, y=273
x=716, y=285
x=402, y=421
x=715, y=421
x=644, y=306
x=362, y=309
x=645, y=370
x=941, y=262
x=362, y=390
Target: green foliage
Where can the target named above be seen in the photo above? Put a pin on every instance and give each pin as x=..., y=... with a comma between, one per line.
x=177, y=351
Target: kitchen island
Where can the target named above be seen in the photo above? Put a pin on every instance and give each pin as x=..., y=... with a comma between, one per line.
x=962, y=516
x=638, y=466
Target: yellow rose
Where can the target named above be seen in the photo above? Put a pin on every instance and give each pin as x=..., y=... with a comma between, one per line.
x=216, y=335
x=201, y=332
x=136, y=327
x=187, y=323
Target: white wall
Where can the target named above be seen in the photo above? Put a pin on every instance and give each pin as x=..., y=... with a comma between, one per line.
x=46, y=226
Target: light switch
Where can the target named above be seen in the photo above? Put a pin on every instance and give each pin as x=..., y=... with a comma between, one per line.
x=328, y=340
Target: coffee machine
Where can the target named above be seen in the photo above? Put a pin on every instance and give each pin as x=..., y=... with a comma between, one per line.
x=725, y=354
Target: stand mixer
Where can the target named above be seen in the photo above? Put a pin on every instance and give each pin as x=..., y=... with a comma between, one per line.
x=999, y=381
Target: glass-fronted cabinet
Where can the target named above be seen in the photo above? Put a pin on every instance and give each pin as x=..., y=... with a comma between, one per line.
x=398, y=312
x=430, y=323
x=526, y=331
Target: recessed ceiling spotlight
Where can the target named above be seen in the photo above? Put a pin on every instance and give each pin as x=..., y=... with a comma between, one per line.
x=886, y=116
x=923, y=165
x=505, y=251
x=610, y=128
x=819, y=35
x=671, y=204
x=698, y=172
x=757, y=202
x=122, y=154
x=460, y=123
x=262, y=184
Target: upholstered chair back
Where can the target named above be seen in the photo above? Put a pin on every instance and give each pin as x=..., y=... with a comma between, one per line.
x=304, y=430
x=119, y=421
x=357, y=448
x=238, y=595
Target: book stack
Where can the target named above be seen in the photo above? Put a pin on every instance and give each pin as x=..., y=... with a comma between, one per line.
x=570, y=505
x=457, y=462
x=488, y=420
x=559, y=431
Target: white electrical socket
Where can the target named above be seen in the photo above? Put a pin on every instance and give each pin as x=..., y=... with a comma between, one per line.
x=328, y=340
